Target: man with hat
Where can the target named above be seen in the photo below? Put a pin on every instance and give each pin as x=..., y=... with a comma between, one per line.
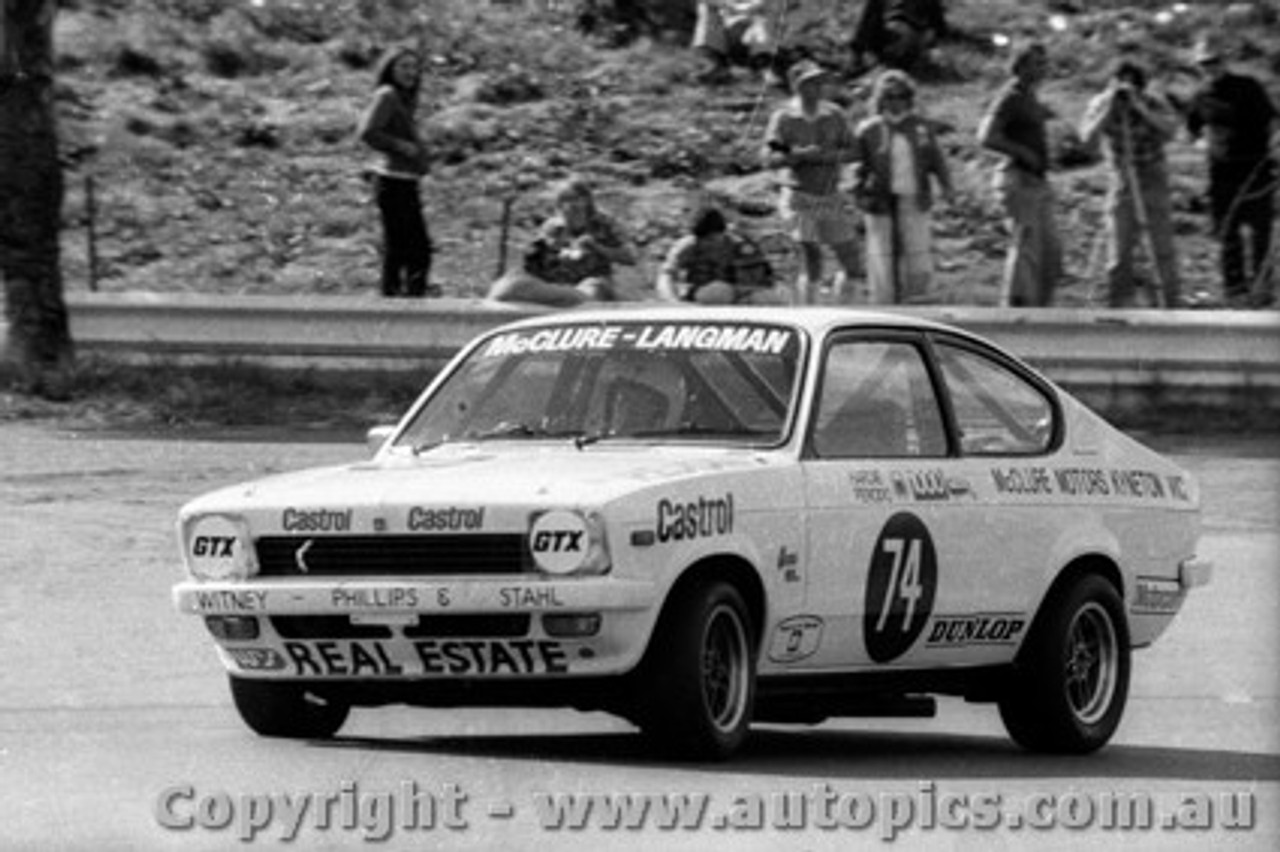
x=811, y=139
x=1234, y=114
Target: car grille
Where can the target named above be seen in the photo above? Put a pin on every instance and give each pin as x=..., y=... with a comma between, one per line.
x=391, y=555
x=480, y=626
x=326, y=627
x=488, y=626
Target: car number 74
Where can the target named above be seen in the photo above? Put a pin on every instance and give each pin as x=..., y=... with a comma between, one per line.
x=902, y=582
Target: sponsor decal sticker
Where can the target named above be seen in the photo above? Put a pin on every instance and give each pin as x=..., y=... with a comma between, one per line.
x=796, y=638
x=1022, y=481
x=705, y=517
x=451, y=519
x=395, y=597
x=732, y=337
x=869, y=486
x=1088, y=482
x=257, y=659
x=246, y=600
x=902, y=582
x=315, y=520
x=979, y=629
x=352, y=658
x=923, y=486
x=1142, y=484
x=492, y=656
x=1158, y=596
x=529, y=597
x=340, y=658
x=216, y=549
x=558, y=541
x=788, y=562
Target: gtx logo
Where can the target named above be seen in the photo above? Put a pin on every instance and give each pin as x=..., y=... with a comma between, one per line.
x=558, y=541
x=213, y=545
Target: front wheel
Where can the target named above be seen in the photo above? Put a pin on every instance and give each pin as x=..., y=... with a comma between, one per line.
x=282, y=709
x=698, y=678
x=1073, y=674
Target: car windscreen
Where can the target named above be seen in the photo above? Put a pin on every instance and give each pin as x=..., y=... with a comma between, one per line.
x=729, y=382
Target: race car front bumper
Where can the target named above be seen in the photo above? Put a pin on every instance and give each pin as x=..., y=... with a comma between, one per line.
x=386, y=629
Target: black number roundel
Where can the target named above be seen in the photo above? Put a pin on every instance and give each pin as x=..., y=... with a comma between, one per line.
x=901, y=584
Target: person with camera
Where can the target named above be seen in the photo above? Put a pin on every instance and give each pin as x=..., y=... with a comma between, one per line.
x=1234, y=114
x=1134, y=125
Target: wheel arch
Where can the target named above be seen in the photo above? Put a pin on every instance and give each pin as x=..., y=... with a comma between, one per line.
x=1089, y=563
x=733, y=569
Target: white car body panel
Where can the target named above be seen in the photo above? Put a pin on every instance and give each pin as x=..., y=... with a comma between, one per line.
x=806, y=530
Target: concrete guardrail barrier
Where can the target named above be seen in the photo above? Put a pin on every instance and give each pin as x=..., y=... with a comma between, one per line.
x=1110, y=357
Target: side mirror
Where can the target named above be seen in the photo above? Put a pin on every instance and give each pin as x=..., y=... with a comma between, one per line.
x=376, y=437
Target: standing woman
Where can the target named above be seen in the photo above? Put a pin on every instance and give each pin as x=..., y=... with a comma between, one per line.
x=388, y=126
x=899, y=160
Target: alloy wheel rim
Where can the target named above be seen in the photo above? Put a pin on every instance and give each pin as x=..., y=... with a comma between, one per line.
x=724, y=668
x=1092, y=663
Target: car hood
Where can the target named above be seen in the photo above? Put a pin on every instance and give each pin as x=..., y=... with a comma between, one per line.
x=476, y=476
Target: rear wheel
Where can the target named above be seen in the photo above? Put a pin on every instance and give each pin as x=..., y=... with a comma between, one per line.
x=698, y=682
x=282, y=709
x=1073, y=674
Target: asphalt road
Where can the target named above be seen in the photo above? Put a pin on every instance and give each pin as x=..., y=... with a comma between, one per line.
x=114, y=716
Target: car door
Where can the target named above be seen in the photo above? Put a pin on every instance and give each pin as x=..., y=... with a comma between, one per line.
x=885, y=502
x=1007, y=428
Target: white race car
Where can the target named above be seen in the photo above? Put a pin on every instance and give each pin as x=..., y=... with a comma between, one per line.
x=697, y=518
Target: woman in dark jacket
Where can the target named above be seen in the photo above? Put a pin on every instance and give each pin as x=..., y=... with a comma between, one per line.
x=388, y=126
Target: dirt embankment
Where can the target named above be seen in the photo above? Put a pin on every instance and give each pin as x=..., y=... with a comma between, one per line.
x=218, y=133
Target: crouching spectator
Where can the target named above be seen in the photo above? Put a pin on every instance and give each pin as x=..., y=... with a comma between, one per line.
x=715, y=265
x=572, y=258
x=738, y=32
x=898, y=33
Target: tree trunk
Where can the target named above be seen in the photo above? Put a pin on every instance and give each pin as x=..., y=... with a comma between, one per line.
x=31, y=191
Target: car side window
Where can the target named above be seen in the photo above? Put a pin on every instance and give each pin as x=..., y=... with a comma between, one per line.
x=877, y=402
x=997, y=411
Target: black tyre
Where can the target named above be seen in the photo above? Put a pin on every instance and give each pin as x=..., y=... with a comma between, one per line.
x=282, y=709
x=699, y=676
x=1072, y=677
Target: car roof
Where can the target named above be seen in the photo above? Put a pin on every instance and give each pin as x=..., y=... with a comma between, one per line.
x=817, y=320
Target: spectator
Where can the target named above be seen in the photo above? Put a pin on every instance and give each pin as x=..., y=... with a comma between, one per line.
x=716, y=265
x=388, y=126
x=898, y=33
x=571, y=260
x=1135, y=126
x=1235, y=113
x=898, y=160
x=1016, y=126
x=735, y=32
x=811, y=139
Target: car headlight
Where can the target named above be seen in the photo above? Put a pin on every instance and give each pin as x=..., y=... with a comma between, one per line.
x=569, y=542
x=218, y=547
